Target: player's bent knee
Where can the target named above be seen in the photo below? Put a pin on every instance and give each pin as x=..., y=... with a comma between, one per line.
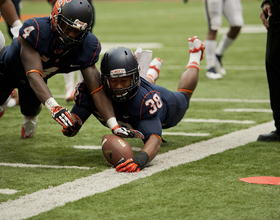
x=31, y=111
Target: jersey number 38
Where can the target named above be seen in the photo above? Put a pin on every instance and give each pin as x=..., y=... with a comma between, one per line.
x=154, y=103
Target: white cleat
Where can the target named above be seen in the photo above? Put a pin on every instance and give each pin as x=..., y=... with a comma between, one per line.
x=144, y=58
x=154, y=69
x=212, y=74
x=29, y=126
x=2, y=111
x=156, y=64
x=4, y=106
x=219, y=66
x=196, y=45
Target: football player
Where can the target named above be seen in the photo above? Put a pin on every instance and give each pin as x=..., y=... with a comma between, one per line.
x=137, y=103
x=46, y=46
x=69, y=78
x=214, y=9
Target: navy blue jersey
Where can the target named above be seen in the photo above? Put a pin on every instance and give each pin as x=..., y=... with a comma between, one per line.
x=37, y=32
x=153, y=108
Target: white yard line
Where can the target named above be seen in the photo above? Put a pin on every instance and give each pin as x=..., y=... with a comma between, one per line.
x=8, y=191
x=185, y=134
x=47, y=199
x=43, y=166
x=228, y=67
x=217, y=121
x=230, y=100
x=99, y=148
x=132, y=46
x=85, y=147
x=247, y=110
x=247, y=29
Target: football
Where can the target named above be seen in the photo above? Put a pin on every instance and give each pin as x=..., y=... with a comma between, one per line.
x=115, y=148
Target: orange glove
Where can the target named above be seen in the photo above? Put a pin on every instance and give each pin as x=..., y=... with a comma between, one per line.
x=62, y=116
x=128, y=166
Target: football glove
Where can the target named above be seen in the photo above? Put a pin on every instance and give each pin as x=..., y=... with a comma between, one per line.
x=128, y=166
x=62, y=116
x=71, y=131
x=127, y=133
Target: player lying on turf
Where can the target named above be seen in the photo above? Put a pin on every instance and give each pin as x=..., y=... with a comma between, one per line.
x=137, y=103
x=46, y=46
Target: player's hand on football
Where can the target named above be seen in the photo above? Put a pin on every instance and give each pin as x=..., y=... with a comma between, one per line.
x=127, y=133
x=128, y=166
x=196, y=45
x=62, y=116
x=71, y=131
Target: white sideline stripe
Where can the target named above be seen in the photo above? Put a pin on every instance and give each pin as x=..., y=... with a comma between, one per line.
x=218, y=121
x=8, y=191
x=46, y=199
x=230, y=100
x=43, y=166
x=99, y=148
x=247, y=110
x=185, y=134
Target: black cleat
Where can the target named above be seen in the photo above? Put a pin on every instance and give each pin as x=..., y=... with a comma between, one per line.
x=270, y=137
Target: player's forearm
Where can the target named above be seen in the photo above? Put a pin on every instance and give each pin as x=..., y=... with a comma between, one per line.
x=152, y=146
x=39, y=86
x=103, y=105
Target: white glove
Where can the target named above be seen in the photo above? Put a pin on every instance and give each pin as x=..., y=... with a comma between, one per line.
x=127, y=133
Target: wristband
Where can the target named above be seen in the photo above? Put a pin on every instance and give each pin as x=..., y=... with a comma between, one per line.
x=34, y=71
x=51, y=103
x=96, y=90
x=112, y=122
x=264, y=2
x=142, y=159
x=185, y=90
x=17, y=23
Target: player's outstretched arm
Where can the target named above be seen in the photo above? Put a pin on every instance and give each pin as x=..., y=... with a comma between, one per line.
x=148, y=153
x=102, y=102
x=32, y=63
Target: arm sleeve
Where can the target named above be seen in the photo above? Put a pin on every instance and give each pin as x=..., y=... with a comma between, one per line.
x=150, y=126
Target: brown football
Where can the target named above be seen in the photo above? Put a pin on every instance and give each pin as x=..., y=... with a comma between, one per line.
x=115, y=148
